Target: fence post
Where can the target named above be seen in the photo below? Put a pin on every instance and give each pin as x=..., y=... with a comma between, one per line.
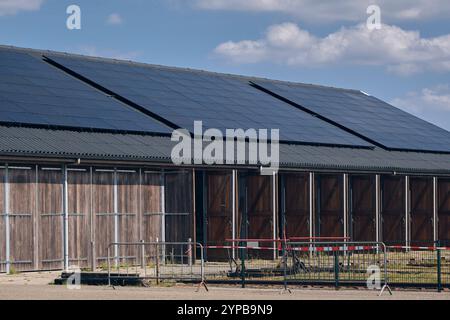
x=336, y=269
x=190, y=252
x=157, y=262
x=285, y=262
x=142, y=254
x=242, y=265
x=439, y=270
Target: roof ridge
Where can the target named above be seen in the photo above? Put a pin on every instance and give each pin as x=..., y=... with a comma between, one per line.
x=158, y=66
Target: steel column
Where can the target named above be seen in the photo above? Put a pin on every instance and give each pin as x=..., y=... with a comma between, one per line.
x=407, y=212
x=7, y=226
x=274, y=212
x=116, y=219
x=377, y=206
x=345, y=202
x=66, y=218
x=233, y=201
x=435, y=209
x=311, y=204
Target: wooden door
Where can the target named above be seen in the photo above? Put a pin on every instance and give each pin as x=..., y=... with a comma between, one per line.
x=22, y=207
x=219, y=220
x=330, y=213
x=296, y=207
x=128, y=214
x=421, y=211
x=444, y=210
x=79, y=207
x=178, y=203
x=104, y=216
x=393, y=210
x=50, y=219
x=362, y=208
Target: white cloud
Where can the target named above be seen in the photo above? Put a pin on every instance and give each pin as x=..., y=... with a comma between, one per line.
x=332, y=10
x=94, y=51
x=114, y=19
x=11, y=7
x=432, y=104
x=400, y=51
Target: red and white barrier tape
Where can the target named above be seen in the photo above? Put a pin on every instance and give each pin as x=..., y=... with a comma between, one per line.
x=302, y=249
x=418, y=248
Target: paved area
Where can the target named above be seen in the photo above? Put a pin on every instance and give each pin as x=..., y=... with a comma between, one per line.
x=33, y=286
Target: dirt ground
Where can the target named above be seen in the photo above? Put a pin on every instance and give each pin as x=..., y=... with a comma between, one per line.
x=37, y=286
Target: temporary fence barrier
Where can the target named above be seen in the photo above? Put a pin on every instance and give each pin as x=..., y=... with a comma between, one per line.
x=286, y=262
x=159, y=261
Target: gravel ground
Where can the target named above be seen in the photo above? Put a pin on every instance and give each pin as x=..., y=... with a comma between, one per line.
x=31, y=286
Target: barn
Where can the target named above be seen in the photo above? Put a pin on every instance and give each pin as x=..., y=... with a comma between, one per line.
x=85, y=148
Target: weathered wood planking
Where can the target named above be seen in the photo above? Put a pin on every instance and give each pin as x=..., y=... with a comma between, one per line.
x=330, y=208
x=50, y=218
x=151, y=225
x=178, y=204
x=393, y=209
x=128, y=218
x=103, y=210
x=219, y=221
x=296, y=193
x=422, y=222
x=362, y=208
x=2, y=222
x=79, y=209
x=23, y=233
x=444, y=210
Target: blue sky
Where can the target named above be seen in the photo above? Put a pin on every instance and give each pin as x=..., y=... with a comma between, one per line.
x=406, y=62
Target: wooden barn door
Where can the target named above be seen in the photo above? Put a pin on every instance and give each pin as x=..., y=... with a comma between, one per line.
x=79, y=211
x=151, y=188
x=421, y=216
x=259, y=207
x=393, y=210
x=295, y=189
x=3, y=222
x=178, y=226
x=330, y=212
x=50, y=218
x=219, y=220
x=103, y=211
x=128, y=214
x=444, y=211
x=22, y=217
x=362, y=208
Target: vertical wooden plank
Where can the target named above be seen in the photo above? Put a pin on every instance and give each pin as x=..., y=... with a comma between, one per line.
x=50, y=218
x=22, y=216
x=79, y=209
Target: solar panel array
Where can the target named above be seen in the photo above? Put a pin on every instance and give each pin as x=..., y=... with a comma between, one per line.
x=219, y=101
x=366, y=115
x=34, y=92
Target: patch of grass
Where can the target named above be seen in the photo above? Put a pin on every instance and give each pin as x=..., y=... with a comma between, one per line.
x=13, y=271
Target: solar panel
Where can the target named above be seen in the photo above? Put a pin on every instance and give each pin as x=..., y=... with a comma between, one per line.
x=34, y=92
x=223, y=102
x=366, y=115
